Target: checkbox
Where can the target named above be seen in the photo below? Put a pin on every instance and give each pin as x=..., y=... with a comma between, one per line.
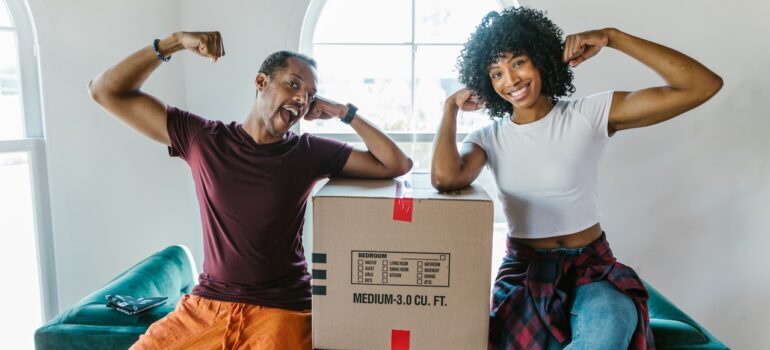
x=419, y=281
x=419, y=269
x=419, y=275
x=384, y=262
x=360, y=268
x=384, y=280
x=384, y=268
x=360, y=279
x=419, y=263
x=360, y=273
x=384, y=274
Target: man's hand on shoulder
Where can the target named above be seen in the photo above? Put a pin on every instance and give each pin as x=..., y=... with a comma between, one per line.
x=324, y=108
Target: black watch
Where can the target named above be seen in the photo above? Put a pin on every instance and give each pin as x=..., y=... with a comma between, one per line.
x=348, y=118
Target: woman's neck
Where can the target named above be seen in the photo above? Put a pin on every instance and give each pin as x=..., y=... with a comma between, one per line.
x=533, y=113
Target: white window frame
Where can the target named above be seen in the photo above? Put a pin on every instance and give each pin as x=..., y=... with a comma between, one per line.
x=306, y=46
x=33, y=144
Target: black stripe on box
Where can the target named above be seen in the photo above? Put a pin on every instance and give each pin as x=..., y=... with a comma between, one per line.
x=319, y=258
x=319, y=274
x=319, y=290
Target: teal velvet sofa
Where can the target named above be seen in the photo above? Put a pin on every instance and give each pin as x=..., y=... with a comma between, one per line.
x=90, y=325
x=674, y=330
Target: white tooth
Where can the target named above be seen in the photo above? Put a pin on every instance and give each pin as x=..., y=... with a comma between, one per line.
x=518, y=92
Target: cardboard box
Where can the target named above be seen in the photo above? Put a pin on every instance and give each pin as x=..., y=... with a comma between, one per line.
x=397, y=265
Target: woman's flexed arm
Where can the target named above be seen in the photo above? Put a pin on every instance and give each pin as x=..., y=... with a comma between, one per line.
x=688, y=82
x=450, y=169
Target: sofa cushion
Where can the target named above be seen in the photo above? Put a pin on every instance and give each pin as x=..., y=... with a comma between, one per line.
x=670, y=332
x=99, y=314
x=86, y=337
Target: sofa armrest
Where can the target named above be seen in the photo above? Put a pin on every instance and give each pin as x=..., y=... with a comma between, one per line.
x=170, y=273
x=90, y=324
x=673, y=329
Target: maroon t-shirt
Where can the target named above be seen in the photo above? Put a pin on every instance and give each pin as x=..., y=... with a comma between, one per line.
x=252, y=203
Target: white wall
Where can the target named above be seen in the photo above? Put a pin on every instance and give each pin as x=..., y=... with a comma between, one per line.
x=115, y=196
x=684, y=203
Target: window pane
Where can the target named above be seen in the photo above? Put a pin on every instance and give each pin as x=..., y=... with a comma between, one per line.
x=18, y=253
x=11, y=126
x=449, y=21
x=420, y=152
x=365, y=21
x=435, y=80
x=374, y=78
x=5, y=17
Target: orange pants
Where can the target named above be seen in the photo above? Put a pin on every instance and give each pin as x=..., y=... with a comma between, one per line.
x=200, y=323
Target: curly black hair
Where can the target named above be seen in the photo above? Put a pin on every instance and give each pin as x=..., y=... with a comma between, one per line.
x=519, y=31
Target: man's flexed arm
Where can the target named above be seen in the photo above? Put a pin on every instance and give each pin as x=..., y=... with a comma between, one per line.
x=117, y=89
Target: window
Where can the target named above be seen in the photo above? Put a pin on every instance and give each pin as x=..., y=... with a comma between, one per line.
x=26, y=253
x=10, y=100
x=396, y=61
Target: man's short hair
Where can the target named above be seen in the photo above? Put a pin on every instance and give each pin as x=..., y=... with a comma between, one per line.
x=278, y=60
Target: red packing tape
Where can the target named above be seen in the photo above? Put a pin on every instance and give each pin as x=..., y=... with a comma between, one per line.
x=402, y=209
x=399, y=339
x=402, y=204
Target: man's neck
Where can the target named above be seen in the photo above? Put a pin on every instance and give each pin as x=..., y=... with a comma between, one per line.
x=255, y=127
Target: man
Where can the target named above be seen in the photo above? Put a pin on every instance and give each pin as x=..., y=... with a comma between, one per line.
x=252, y=181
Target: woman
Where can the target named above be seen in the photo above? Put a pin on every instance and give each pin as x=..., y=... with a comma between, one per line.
x=559, y=285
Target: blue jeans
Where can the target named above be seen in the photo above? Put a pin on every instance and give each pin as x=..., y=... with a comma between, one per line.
x=601, y=317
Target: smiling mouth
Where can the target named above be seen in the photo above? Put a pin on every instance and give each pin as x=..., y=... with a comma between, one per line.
x=519, y=93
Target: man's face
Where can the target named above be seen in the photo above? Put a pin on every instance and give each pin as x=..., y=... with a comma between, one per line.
x=286, y=97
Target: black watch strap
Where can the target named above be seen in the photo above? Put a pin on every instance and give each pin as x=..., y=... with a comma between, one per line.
x=348, y=118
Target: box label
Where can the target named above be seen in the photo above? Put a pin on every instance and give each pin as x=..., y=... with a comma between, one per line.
x=400, y=299
x=399, y=268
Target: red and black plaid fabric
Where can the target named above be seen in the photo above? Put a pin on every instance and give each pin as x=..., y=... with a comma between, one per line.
x=533, y=292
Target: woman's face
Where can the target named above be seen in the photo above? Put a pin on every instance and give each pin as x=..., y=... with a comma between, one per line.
x=516, y=79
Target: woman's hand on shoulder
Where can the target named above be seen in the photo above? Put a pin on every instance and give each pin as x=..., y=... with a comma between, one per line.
x=466, y=100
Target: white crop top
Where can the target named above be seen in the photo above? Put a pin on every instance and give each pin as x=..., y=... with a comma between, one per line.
x=546, y=171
